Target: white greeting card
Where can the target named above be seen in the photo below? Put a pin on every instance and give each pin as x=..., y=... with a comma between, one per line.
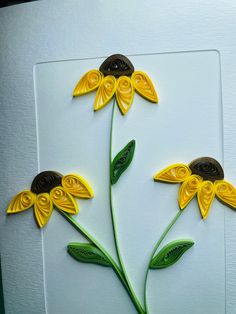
x=47, y=129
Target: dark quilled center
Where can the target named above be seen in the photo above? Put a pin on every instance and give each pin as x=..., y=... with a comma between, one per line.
x=45, y=181
x=208, y=168
x=117, y=65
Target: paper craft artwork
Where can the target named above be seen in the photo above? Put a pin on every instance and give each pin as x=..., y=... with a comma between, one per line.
x=203, y=177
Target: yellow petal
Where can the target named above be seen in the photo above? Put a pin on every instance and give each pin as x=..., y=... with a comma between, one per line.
x=205, y=196
x=226, y=192
x=77, y=186
x=188, y=190
x=143, y=85
x=174, y=173
x=105, y=92
x=89, y=82
x=63, y=200
x=42, y=209
x=21, y=202
x=124, y=93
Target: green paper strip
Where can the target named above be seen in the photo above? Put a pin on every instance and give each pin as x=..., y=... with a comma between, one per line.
x=122, y=161
x=171, y=253
x=87, y=253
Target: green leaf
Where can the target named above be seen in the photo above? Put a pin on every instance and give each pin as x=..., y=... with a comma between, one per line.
x=122, y=161
x=171, y=253
x=87, y=253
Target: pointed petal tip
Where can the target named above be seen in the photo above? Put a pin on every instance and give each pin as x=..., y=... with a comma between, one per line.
x=73, y=211
x=77, y=93
x=156, y=100
x=39, y=225
x=91, y=195
x=9, y=211
x=123, y=112
x=204, y=215
x=76, y=210
x=182, y=206
x=97, y=109
x=155, y=177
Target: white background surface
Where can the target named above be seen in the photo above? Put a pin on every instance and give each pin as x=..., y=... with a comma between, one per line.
x=58, y=30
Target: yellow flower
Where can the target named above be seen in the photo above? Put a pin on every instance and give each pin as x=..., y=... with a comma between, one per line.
x=51, y=188
x=116, y=76
x=204, y=177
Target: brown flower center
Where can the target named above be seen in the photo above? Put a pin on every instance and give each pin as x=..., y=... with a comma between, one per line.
x=45, y=181
x=208, y=168
x=117, y=65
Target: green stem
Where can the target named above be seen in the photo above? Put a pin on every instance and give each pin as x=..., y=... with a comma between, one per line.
x=91, y=239
x=158, y=243
x=132, y=293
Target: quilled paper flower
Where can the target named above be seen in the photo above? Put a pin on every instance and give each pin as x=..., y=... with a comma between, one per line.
x=203, y=177
x=51, y=188
x=116, y=76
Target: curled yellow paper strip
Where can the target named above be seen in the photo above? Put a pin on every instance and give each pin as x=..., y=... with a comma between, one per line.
x=21, y=202
x=226, y=192
x=77, y=186
x=89, y=82
x=43, y=209
x=206, y=194
x=63, y=200
x=124, y=93
x=174, y=173
x=188, y=190
x=143, y=85
x=105, y=92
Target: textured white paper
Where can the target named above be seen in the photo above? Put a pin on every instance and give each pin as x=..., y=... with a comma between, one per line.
x=44, y=31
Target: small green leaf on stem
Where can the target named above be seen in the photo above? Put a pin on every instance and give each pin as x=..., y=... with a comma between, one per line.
x=170, y=253
x=122, y=161
x=87, y=253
